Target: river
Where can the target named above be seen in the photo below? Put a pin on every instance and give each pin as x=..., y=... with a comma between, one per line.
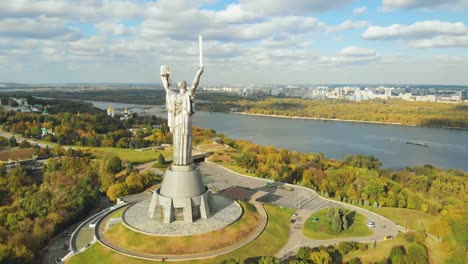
x=447, y=148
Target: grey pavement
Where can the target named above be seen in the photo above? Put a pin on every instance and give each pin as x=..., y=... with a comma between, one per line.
x=224, y=212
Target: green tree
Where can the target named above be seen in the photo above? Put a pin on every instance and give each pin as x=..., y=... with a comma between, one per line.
x=355, y=260
x=344, y=221
x=117, y=190
x=362, y=161
x=269, y=260
x=12, y=142
x=346, y=247
x=331, y=214
x=303, y=253
x=113, y=164
x=161, y=159
x=320, y=257
x=246, y=160
x=337, y=222
x=397, y=255
x=417, y=254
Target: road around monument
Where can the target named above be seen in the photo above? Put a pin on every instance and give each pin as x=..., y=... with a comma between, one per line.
x=305, y=200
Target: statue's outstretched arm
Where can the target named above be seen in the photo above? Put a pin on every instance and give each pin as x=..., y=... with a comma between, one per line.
x=196, y=80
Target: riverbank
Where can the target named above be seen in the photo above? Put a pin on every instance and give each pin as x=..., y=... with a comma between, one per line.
x=343, y=120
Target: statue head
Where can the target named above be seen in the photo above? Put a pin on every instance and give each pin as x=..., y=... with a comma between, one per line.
x=182, y=86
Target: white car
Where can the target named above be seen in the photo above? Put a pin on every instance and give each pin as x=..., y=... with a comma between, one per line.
x=370, y=224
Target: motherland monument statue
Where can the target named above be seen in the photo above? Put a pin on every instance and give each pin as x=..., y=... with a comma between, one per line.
x=182, y=194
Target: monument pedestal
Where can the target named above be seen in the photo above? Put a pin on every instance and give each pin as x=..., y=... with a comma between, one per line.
x=182, y=196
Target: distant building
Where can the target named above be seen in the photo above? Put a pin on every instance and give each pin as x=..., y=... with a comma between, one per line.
x=20, y=101
x=126, y=114
x=110, y=111
x=45, y=131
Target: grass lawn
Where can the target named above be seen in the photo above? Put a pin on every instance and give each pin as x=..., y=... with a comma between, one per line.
x=129, y=155
x=134, y=241
x=85, y=236
x=381, y=251
x=225, y=159
x=118, y=213
x=16, y=153
x=408, y=218
x=383, y=248
x=273, y=238
x=322, y=229
x=211, y=146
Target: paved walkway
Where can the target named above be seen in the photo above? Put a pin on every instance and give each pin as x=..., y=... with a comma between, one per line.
x=210, y=254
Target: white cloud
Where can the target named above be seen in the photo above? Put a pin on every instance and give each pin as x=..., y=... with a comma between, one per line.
x=425, y=34
x=424, y=4
x=74, y=9
x=440, y=42
x=347, y=25
x=115, y=28
x=416, y=30
x=42, y=28
x=288, y=7
x=355, y=51
x=359, y=10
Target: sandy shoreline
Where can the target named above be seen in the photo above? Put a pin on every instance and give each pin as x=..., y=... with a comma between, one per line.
x=340, y=120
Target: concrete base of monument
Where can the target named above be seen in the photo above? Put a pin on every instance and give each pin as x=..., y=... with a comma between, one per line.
x=224, y=212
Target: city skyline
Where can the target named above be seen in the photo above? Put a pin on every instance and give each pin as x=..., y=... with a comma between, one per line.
x=256, y=41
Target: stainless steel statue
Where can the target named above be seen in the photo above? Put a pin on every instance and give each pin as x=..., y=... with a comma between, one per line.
x=182, y=195
x=180, y=110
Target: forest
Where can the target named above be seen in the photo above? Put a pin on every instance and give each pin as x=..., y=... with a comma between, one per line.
x=35, y=205
x=389, y=111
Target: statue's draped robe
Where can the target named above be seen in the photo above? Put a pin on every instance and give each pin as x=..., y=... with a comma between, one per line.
x=180, y=110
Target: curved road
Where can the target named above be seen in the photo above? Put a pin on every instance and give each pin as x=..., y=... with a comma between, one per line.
x=305, y=200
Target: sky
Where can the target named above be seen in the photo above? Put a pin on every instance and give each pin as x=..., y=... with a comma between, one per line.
x=244, y=42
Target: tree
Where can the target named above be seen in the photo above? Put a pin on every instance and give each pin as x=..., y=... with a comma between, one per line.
x=303, y=253
x=337, y=223
x=345, y=247
x=320, y=257
x=344, y=220
x=246, y=160
x=106, y=179
x=417, y=254
x=113, y=164
x=440, y=229
x=355, y=260
x=397, y=255
x=330, y=214
x=117, y=190
x=269, y=260
x=362, y=161
x=161, y=159
x=12, y=142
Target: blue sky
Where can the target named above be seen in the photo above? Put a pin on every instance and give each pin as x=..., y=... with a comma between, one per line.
x=245, y=41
